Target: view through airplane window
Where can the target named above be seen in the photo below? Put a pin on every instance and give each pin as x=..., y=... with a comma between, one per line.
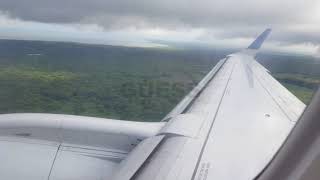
x=163, y=90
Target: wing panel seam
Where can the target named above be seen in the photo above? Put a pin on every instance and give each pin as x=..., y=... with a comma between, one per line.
x=211, y=126
x=54, y=160
x=183, y=107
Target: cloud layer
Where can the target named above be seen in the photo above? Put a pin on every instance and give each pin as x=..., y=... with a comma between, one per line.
x=295, y=22
x=169, y=12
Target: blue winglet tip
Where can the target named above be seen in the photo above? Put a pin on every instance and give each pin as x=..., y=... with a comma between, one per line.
x=256, y=44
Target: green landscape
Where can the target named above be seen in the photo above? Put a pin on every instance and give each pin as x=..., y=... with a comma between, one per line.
x=299, y=74
x=139, y=84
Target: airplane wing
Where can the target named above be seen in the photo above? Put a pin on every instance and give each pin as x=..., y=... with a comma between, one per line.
x=230, y=126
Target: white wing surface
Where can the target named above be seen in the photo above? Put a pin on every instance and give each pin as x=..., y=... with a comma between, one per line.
x=229, y=127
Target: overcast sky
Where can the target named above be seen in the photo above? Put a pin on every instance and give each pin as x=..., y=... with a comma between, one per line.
x=231, y=23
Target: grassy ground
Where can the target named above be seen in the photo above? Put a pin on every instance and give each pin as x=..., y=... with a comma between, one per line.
x=303, y=93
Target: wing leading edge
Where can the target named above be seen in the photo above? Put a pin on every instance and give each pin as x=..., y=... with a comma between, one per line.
x=230, y=128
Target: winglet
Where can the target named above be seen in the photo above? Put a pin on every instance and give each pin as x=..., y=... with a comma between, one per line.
x=260, y=39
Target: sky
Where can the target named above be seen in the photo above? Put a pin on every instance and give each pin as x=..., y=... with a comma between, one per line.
x=149, y=23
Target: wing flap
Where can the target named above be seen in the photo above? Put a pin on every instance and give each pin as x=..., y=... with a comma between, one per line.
x=290, y=104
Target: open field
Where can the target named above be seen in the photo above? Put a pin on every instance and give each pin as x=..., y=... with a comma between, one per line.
x=303, y=86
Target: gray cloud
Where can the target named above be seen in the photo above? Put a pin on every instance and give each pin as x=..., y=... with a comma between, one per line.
x=293, y=21
x=186, y=12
